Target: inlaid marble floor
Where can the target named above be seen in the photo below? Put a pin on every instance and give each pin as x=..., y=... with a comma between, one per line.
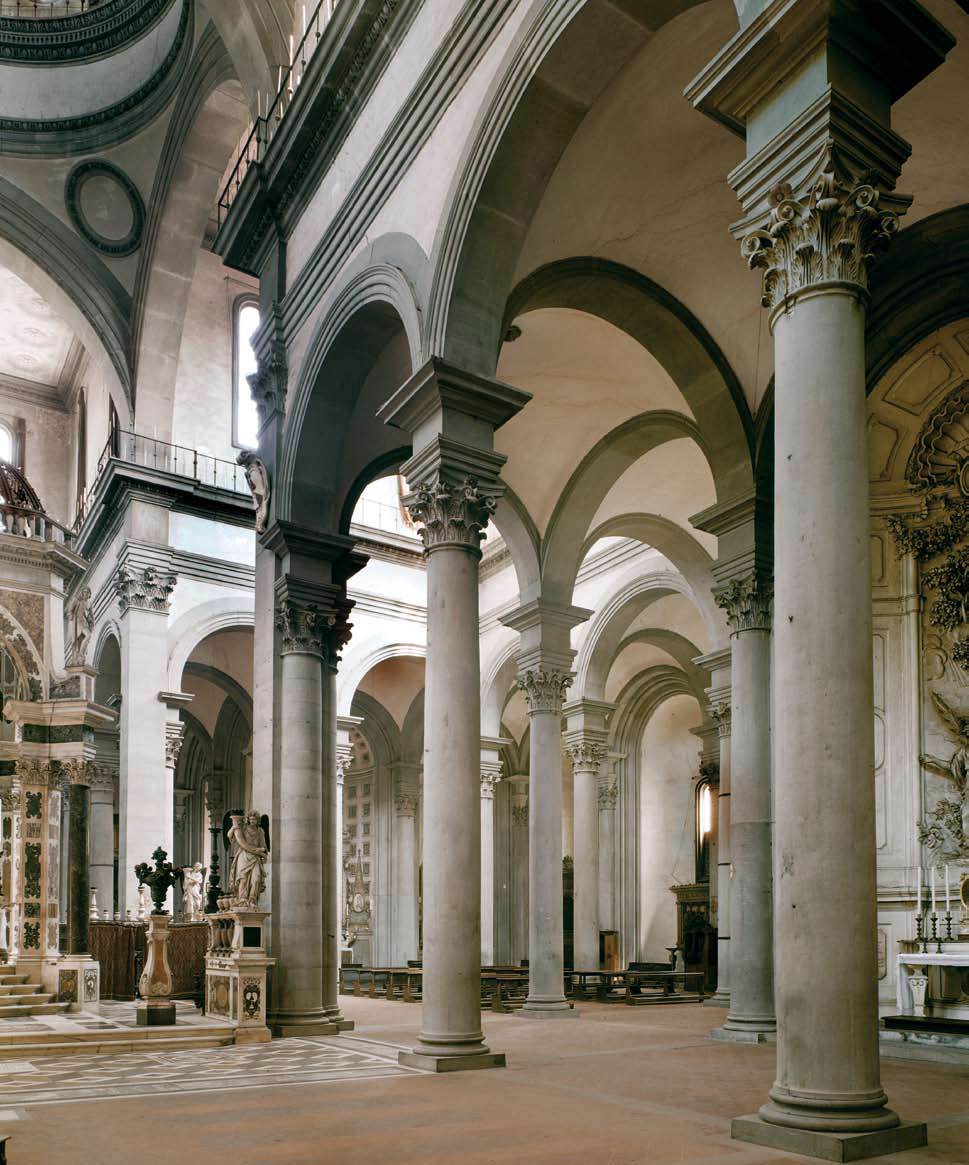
x=97, y=1077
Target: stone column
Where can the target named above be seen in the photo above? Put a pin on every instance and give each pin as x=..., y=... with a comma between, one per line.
x=519, y=867
x=544, y=661
x=335, y=762
x=79, y=774
x=454, y=476
x=490, y=775
x=298, y=907
x=720, y=714
x=103, y=785
x=607, y=795
x=405, y=900
x=816, y=189
x=145, y=795
x=10, y=851
x=747, y=602
x=586, y=752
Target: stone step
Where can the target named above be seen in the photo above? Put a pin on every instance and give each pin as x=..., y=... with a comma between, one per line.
x=56, y=1043
x=43, y=1007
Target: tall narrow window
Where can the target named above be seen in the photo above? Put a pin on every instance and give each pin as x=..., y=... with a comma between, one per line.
x=246, y=418
x=704, y=830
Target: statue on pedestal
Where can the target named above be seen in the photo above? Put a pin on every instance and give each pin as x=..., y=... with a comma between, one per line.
x=192, y=879
x=249, y=834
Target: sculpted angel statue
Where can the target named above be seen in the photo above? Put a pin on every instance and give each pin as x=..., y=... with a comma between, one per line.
x=193, y=877
x=956, y=769
x=247, y=876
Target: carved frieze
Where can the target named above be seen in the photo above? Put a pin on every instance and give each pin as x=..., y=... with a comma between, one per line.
x=149, y=589
x=747, y=602
x=830, y=233
x=451, y=514
x=545, y=689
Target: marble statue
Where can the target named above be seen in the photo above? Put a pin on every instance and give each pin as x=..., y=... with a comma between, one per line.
x=257, y=476
x=946, y=828
x=81, y=617
x=192, y=879
x=247, y=874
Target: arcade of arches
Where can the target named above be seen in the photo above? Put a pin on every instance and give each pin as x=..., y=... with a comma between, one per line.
x=484, y=487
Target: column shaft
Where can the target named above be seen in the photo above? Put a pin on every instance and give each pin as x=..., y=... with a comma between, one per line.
x=79, y=876
x=546, y=995
x=298, y=848
x=827, y=1053
x=487, y=870
x=451, y=1019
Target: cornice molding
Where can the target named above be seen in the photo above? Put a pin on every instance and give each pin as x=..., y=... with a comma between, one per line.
x=82, y=36
x=102, y=128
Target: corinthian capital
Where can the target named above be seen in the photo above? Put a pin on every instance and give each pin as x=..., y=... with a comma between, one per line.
x=585, y=752
x=747, y=602
x=451, y=513
x=308, y=630
x=829, y=233
x=545, y=690
x=147, y=590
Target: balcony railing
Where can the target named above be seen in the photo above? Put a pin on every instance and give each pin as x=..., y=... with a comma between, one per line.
x=38, y=10
x=27, y=523
x=255, y=145
x=150, y=453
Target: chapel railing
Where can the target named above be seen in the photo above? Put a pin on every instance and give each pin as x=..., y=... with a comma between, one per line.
x=181, y=460
x=254, y=147
x=38, y=10
x=29, y=523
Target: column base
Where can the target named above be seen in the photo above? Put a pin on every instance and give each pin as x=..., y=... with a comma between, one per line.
x=428, y=1062
x=548, y=1009
x=746, y=1035
x=829, y=1146
x=154, y=1014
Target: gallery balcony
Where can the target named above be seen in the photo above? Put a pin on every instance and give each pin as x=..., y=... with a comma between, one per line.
x=209, y=486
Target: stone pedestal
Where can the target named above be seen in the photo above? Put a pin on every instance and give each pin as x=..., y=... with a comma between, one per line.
x=236, y=967
x=155, y=985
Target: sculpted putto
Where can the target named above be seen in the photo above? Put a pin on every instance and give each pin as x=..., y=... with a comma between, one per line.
x=248, y=833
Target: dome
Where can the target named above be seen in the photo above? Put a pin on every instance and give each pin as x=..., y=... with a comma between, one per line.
x=16, y=490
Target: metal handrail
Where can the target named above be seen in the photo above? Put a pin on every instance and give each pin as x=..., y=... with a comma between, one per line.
x=180, y=460
x=254, y=147
x=38, y=10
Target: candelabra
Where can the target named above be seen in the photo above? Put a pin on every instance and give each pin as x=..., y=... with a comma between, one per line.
x=920, y=930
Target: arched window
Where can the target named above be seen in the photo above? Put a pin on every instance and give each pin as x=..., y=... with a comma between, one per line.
x=245, y=417
x=704, y=828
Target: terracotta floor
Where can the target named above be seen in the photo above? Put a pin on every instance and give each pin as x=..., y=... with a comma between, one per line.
x=617, y=1086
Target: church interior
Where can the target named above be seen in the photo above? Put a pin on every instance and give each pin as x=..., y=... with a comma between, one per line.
x=484, y=581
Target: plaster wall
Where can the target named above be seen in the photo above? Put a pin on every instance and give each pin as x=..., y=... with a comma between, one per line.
x=668, y=765
x=203, y=387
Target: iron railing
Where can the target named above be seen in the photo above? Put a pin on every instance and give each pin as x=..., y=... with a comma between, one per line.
x=150, y=453
x=39, y=10
x=256, y=143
